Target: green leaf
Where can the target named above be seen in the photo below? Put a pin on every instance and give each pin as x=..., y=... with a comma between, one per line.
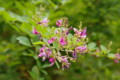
x=46, y=66
x=2, y=9
x=35, y=57
x=56, y=45
x=3, y=58
x=35, y=70
x=52, y=4
x=24, y=41
x=38, y=64
x=14, y=63
x=43, y=71
x=26, y=28
x=32, y=75
x=37, y=43
x=111, y=55
x=28, y=54
x=70, y=38
x=7, y=16
x=15, y=27
x=92, y=46
x=103, y=49
x=57, y=64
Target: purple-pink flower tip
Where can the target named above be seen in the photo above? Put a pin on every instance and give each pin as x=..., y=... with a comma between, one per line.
x=34, y=31
x=51, y=40
x=83, y=33
x=62, y=41
x=117, y=58
x=59, y=22
x=51, y=60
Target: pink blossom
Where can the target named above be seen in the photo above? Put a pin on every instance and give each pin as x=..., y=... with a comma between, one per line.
x=70, y=28
x=67, y=31
x=51, y=40
x=59, y=22
x=65, y=63
x=81, y=33
x=64, y=59
x=34, y=31
x=56, y=32
x=116, y=61
x=76, y=31
x=42, y=49
x=74, y=54
x=117, y=58
x=48, y=52
x=52, y=61
x=44, y=52
x=81, y=49
x=44, y=22
x=62, y=41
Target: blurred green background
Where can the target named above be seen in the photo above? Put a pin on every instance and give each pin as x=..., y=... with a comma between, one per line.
x=101, y=17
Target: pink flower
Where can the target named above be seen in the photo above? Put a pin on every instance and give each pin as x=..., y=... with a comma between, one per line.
x=62, y=41
x=51, y=40
x=56, y=32
x=67, y=31
x=52, y=61
x=117, y=58
x=74, y=54
x=34, y=31
x=44, y=52
x=81, y=49
x=116, y=61
x=81, y=33
x=44, y=22
x=64, y=59
x=48, y=52
x=65, y=63
x=59, y=23
x=77, y=31
x=42, y=49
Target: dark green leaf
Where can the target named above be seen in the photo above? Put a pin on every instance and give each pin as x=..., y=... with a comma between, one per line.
x=24, y=41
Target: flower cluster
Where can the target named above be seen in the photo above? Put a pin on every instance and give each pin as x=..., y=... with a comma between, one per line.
x=117, y=58
x=61, y=46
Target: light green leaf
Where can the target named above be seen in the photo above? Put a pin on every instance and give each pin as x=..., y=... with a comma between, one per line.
x=37, y=43
x=2, y=9
x=111, y=55
x=56, y=45
x=18, y=17
x=103, y=48
x=92, y=46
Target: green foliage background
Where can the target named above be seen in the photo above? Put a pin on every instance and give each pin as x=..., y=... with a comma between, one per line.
x=102, y=18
